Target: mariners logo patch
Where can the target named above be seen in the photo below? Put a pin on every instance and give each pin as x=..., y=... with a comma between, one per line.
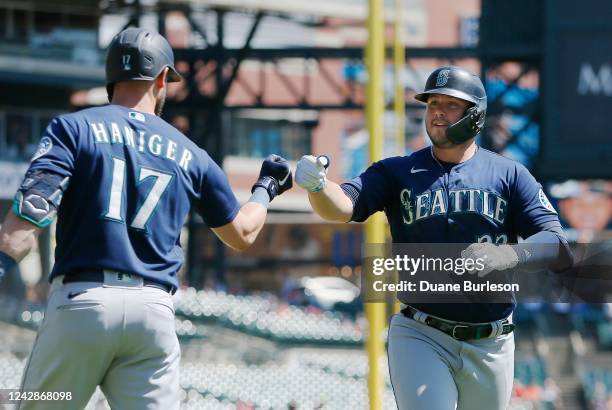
x=545, y=202
x=137, y=116
x=442, y=78
x=44, y=147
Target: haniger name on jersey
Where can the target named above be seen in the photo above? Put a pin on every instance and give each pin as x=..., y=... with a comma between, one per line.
x=153, y=144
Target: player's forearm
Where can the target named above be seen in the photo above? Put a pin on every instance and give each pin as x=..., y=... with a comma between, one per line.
x=274, y=179
x=17, y=236
x=252, y=220
x=242, y=231
x=331, y=203
x=543, y=250
x=252, y=215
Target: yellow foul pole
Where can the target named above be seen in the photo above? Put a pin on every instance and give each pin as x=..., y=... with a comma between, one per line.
x=375, y=226
x=399, y=101
x=399, y=59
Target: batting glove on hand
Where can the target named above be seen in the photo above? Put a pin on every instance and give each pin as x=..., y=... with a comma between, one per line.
x=493, y=257
x=274, y=176
x=311, y=172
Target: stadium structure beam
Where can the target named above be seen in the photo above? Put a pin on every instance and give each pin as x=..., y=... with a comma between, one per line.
x=329, y=53
x=345, y=96
x=344, y=9
x=215, y=127
x=240, y=58
x=500, y=106
x=347, y=105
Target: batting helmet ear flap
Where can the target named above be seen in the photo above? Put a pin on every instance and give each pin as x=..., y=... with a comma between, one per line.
x=467, y=127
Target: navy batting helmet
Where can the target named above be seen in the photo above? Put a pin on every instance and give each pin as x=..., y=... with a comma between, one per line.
x=138, y=54
x=459, y=83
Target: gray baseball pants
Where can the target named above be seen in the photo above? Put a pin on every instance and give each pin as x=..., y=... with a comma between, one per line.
x=119, y=335
x=432, y=371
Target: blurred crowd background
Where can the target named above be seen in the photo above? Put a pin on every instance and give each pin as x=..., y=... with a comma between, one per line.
x=282, y=326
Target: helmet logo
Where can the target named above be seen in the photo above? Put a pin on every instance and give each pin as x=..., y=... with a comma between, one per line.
x=442, y=77
x=125, y=59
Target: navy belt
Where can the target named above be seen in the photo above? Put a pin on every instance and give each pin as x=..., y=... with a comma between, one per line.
x=98, y=276
x=459, y=331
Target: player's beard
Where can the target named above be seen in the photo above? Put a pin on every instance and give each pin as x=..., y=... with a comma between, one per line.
x=439, y=141
x=159, y=104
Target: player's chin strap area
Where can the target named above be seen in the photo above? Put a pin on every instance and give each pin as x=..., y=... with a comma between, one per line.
x=461, y=331
x=39, y=196
x=469, y=125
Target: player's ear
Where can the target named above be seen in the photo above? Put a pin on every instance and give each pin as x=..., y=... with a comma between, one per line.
x=162, y=79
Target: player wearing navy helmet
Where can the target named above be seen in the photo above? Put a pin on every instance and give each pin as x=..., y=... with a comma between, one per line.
x=121, y=182
x=446, y=356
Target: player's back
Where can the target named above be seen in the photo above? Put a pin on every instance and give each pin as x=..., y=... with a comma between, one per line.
x=133, y=179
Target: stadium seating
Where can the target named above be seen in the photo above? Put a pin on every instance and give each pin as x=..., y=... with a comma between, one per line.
x=277, y=385
x=267, y=317
x=530, y=371
x=596, y=382
x=336, y=380
x=11, y=369
x=256, y=315
x=308, y=377
x=186, y=329
x=271, y=386
x=604, y=335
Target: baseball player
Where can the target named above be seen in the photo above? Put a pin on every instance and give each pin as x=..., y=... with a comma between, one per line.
x=445, y=356
x=121, y=181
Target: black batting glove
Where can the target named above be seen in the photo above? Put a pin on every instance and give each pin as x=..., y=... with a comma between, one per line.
x=274, y=176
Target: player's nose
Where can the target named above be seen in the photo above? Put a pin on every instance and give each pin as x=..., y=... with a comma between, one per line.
x=439, y=114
